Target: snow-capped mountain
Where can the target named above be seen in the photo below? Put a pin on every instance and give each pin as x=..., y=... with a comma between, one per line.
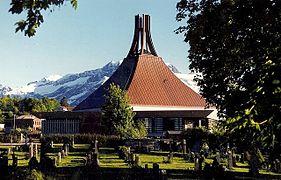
x=76, y=87
x=4, y=90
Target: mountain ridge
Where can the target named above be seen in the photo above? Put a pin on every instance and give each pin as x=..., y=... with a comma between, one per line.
x=77, y=86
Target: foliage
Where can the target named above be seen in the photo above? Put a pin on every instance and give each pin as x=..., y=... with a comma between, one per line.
x=35, y=175
x=235, y=49
x=10, y=106
x=39, y=105
x=103, y=140
x=117, y=115
x=213, y=139
x=33, y=163
x=123, y=152
x=2, y=117
x=139, y=130
x=33, y=10
x=6, y=138
x=64, y=102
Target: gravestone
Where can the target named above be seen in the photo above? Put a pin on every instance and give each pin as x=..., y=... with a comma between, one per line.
x=278, y=166
x=146, y=167
x=72, y=143
x=274, y=166
x=155, y=170
x=55, y=161
x=170, y=157
x=35, y=151
x=242, y=158
x=4, y=166
x=30, y=150
x=22, y=139
x=200, y=162
x=59, y=157
x=234, y=160
x=62, y=153
x=184, y=146
x=218, y=157
x=137, y=161
x=95, y=160
x=131, y=158
x=89, y=158
x=229, y=160
x=66, y=149
x=96, y=146
x=15, y=160
x=196, y=164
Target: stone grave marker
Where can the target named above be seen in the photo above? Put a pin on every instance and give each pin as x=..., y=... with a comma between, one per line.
x=59, y=157
x=96, y=146
x=30, y=150
x=196, y=164
x=184, y=146
x=62, y=153
x=229, y=160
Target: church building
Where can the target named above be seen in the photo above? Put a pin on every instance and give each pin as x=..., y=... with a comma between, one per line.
x=157, y=96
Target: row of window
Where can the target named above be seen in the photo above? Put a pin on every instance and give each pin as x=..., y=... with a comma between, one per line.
x=158, y=125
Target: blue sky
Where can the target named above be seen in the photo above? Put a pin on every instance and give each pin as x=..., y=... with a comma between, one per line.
x=71, y=41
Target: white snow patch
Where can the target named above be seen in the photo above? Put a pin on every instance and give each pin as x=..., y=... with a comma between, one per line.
x=47, y=89
x=188, y=80
x=53, y=77
x=78, y=81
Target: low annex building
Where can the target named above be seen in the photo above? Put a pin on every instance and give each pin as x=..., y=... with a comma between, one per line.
x=24, y=122
x=157, y=95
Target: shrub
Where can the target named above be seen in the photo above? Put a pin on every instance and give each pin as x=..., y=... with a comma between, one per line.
x=6, y=138
x=104, y=140
x=35, y=175
x=123, y=152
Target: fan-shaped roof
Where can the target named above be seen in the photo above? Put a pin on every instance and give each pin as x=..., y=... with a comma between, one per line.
x=148, y=81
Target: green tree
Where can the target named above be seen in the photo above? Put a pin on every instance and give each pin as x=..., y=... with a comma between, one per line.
x=117, y=115
x=33, y=10
x=50, y=104
x=45, y=104
x=2, y=117
x=235, y=49
x=64, y=102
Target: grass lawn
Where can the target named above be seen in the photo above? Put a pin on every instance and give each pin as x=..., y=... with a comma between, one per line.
x=107, y=156
x=73, y=159
x=109, y=159
x=178, y=163
x=22, y=158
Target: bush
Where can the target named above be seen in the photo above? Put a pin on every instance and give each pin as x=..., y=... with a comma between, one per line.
x=6, y=138
x=104, y=140
x=35, y=175
x=214, y=140
x=123, y=152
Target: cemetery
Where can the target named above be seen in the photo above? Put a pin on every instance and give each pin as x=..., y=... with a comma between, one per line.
x=145, y=122
x=133, y=159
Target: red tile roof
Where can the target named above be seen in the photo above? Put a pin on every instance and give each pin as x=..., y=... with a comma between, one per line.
x=153, y=84
x=149, y=82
